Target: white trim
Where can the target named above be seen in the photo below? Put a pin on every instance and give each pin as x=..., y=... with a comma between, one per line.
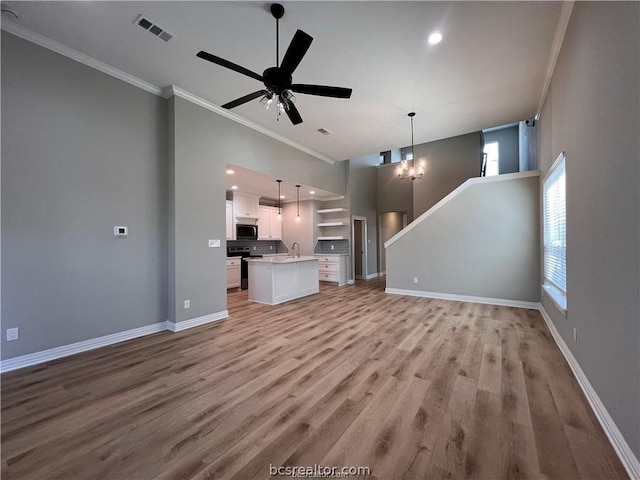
x=178, y=92
x=464, y=298
x=93, y=343
x=620, y=445
x=553, y=294
x=350, y=281
x=455, y=193
x=78, y=347
x=556, y=46
x=196, y=322
x=33, y=37
x=372, y=275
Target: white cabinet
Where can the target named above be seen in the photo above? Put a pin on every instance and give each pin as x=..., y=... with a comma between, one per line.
x=269, y=225
x=245, y=205
x=231, y=230
x=233, y=272
x=332, y=268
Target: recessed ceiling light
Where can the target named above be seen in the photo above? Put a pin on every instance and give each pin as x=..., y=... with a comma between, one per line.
x=234, y=187
x=435, y=38
x=312, y=192
x=230, y=172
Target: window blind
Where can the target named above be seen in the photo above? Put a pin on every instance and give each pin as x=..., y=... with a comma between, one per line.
x=554, y=225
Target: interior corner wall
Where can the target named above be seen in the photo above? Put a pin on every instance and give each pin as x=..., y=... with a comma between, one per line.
x=205, y=142
x=449, y=163
x=509, y=148
x=362, y=198
x=592, y=112
x=82, y=152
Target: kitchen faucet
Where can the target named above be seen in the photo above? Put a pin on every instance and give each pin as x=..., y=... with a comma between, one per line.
x=294, y=246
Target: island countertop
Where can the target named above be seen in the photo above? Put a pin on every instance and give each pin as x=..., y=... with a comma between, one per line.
x=281, y=259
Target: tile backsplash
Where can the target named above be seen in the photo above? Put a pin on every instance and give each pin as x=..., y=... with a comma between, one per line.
x=262, y=247
x=339, y=247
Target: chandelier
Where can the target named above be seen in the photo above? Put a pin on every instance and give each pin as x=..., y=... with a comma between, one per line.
x=407, y=169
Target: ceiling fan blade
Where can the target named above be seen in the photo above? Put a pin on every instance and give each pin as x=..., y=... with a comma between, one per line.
x=297, y=48
x=227, y=64
x=245, y=99
x=293, y=114
x=322, y=90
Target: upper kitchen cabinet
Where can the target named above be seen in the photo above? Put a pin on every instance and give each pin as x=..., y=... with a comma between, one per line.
x=230, y=221
x=269, y=225
x=245, y=205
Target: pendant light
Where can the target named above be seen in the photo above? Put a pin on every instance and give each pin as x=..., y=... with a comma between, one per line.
x=405, y=170
x=279, y=206
x=298, y=199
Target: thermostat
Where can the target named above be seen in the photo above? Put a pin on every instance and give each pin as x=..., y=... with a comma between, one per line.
x=120, y=231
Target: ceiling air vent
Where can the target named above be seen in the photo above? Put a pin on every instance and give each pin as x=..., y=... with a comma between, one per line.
x=324, y=132
x=154, y=28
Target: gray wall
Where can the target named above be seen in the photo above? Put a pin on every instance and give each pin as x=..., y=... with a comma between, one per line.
x=362, y=199
x=392, y=193
x=484, y=243
x=450, y=162
x=204, y=143
x=509, y=147
x=81, y=153
x=592, y=113
x=390, y=223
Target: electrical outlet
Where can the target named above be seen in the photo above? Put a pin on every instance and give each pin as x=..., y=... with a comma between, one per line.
x=187, y=304
x=254, y=247
x=13, y=334
x=270, y=247
x=332, y=247
x=415, y=279
x=575, y=334
x=214, y=243
x=368, y=240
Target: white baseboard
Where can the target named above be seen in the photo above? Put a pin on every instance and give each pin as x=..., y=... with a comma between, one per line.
x=78, y=347
x=620, y=445
x=372, y=275
x=93, y=343
x=196, y=322
x=464, y=298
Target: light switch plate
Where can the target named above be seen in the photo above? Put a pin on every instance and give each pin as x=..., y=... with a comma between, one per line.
x=13, y=334
x=214, y=243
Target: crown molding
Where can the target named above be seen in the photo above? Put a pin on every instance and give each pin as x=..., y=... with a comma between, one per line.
x=173, y=90
x=46, y=42
x=57, y=47
x=556, y=45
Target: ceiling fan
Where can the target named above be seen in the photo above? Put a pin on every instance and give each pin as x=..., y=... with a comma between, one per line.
x=277, y=80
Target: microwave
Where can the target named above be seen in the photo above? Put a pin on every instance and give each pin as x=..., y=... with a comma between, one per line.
x=246, y=232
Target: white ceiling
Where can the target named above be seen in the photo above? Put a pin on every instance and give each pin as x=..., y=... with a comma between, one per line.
x=266, y=187
x=489, y=69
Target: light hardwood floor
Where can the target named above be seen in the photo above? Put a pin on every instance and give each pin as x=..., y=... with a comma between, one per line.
x=410, y=387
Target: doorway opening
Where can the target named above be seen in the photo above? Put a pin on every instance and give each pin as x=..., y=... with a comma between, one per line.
x=359, y=248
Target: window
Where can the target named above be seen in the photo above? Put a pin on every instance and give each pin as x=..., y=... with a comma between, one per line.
x=555, y=234
x=493, y=153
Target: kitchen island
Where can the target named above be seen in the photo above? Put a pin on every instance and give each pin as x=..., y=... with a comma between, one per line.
x=274, y=280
